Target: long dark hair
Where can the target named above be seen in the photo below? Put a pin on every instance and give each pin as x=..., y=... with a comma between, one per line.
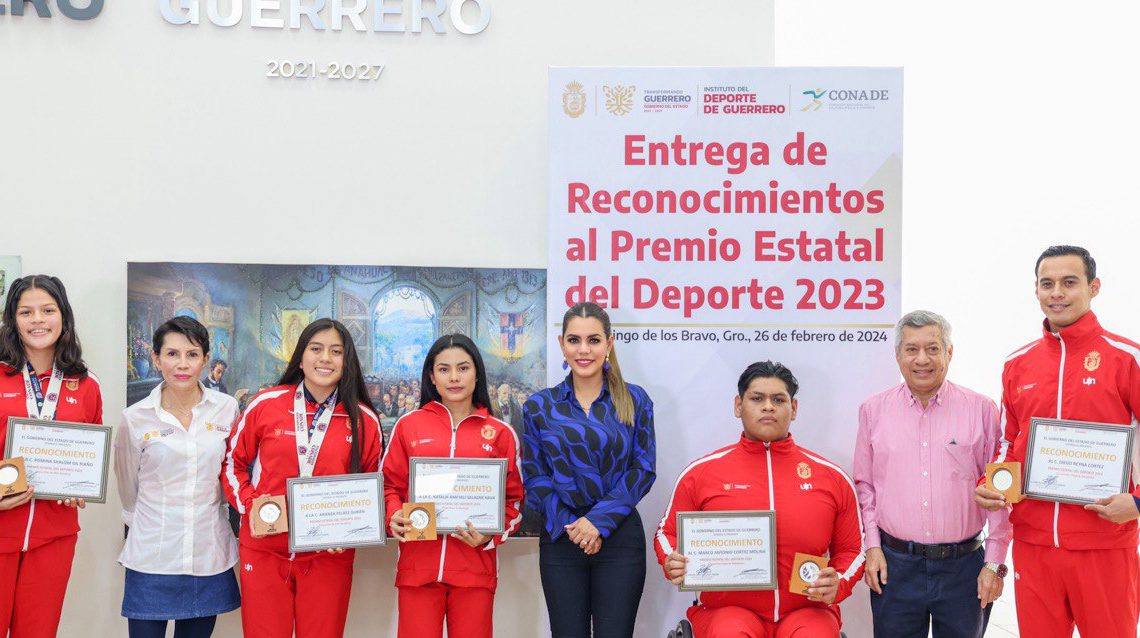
x=350, y=391
x=619, y=393
x=68, y=353
x=428, y=393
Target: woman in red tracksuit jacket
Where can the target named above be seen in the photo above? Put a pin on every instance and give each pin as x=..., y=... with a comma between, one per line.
x=817, y=513
x=42, y=376
x=337, y=433
x=454, y=576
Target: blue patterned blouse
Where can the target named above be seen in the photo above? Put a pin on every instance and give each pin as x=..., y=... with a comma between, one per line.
x=593, y=465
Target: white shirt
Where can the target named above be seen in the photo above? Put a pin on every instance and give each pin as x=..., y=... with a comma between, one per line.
x=169, y=483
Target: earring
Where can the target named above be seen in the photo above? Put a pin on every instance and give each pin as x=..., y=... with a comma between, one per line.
x=565, y=365
x=606, y=365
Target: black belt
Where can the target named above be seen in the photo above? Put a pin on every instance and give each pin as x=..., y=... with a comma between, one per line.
x=936, y=552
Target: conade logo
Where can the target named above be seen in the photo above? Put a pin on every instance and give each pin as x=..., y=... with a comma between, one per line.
x=68, y=8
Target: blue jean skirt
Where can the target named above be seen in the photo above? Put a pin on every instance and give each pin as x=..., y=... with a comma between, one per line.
x=179, y=596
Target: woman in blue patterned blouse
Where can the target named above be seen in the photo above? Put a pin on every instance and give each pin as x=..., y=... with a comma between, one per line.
x=589, y=457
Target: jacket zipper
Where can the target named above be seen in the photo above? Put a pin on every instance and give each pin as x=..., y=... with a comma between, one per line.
x=1060, y=385
x=772, y=506
x=451, y=454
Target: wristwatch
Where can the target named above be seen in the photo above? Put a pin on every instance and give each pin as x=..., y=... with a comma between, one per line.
x=1000, y=570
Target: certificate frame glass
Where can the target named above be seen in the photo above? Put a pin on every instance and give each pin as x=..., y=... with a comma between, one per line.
x=769, y=516
x=500, y=495
x=292, y=509
x=1126, y=435
x=88, y=432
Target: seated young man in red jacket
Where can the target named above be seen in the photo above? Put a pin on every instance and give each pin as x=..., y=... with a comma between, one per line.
x=817, y=513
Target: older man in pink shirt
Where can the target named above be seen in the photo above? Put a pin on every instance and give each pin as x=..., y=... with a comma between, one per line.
x=921, y=446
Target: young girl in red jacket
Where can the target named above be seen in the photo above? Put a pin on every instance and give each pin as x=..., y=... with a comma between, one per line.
x=318, y=421
x=42, y=375
x=455, y=575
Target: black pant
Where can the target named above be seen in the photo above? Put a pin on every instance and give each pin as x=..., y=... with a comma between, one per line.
x=605, y=587
x=188, y=628
x=920, y=591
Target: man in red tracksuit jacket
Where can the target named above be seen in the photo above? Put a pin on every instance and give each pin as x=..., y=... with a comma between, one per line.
x=1073, y=564
x=447, y=575
x=817, y=513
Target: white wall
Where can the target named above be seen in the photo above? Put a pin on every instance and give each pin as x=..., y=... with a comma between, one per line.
x=1019, y=133
x=129, y=139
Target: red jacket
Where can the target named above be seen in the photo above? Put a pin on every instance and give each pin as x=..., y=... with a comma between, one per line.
x=38, y=522
x=262, y=453
x=816, y=512
x=1083, y=373
x=428, y=432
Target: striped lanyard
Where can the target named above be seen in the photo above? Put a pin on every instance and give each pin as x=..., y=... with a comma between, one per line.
x=308, y=449
x=40, y=406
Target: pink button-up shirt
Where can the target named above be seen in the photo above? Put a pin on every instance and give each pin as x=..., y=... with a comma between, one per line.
x=916, y=468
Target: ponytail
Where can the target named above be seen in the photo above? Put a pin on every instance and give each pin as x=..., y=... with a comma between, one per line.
x=619, y=391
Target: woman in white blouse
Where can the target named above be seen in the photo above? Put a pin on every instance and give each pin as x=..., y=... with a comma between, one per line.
x=180, y=550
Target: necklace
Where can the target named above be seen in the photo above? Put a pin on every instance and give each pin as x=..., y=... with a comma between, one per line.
x=177, y=410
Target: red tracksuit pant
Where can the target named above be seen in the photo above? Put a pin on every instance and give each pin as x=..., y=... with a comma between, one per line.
x=278, y=594
x=468, y=611
x=1097, y=589
x=32, y=586
x=738, y=622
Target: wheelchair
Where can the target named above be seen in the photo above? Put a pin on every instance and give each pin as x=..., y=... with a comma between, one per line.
x=685, y=630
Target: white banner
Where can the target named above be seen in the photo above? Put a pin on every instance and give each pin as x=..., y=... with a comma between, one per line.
x=726, y=216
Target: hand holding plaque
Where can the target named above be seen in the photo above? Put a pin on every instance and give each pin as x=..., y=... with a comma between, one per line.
x=421, y=517
x=1005, y=479
x=267, y=516
x=806, y=570
x=13, y=478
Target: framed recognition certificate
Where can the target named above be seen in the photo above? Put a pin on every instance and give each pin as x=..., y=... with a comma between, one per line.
x=728, y=550
x=462, y=490
x=1076, y=461
x=62, y=459
x=327, y=512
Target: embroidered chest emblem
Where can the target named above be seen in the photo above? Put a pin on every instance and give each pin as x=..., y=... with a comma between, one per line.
x=1092, y=361
x=804, y=470
x=72, y=385
x=488, y=432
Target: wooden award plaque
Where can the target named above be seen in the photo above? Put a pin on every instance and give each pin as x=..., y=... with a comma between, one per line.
x=1005, y=479
x=422, y=516
x=805, y=571
x=13, y=477
x=267, y=516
